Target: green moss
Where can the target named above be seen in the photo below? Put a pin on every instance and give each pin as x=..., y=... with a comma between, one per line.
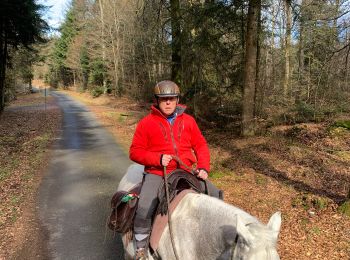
x=345, y=208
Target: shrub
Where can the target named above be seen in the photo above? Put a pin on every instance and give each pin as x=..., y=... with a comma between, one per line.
x=305, y=112
x=97, y=91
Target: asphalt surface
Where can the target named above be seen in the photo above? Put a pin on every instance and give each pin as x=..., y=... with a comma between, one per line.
x=74, y=196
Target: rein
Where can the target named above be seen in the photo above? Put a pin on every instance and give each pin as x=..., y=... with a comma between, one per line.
x=179, y=161
x=190, y=170
x=169, y=216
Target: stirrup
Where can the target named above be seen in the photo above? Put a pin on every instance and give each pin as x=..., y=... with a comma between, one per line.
x=141, y=254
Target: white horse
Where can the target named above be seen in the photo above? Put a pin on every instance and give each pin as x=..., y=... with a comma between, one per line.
x=207, y=228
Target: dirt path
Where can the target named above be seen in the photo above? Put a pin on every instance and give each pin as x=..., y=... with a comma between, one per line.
x=74, y=197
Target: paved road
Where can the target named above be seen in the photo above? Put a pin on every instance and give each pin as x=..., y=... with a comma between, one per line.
x=74, y=196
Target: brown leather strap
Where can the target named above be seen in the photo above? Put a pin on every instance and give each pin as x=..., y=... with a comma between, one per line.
x=169, y=214
x=189, y=169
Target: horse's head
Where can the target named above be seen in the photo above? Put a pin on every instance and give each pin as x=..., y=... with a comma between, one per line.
x=257, y=241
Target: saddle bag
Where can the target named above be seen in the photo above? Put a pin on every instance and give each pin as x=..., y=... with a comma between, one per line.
x=123, y=205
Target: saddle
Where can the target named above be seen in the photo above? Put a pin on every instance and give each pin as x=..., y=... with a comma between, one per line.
x=124, y=203
x=178, y=181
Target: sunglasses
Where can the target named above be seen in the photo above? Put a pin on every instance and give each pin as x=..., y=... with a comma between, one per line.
x=164, y=99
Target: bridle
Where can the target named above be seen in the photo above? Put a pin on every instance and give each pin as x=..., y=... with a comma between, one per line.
x=234, y=245
x=169, y=215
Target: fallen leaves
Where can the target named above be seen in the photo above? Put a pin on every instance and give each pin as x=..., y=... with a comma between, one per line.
x=26, y=132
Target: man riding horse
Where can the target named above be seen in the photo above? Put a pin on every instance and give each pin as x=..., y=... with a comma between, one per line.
x=167, y=137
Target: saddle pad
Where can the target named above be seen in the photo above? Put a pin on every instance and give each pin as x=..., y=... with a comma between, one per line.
x=160, y=221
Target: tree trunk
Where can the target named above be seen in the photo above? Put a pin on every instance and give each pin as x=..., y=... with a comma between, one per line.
x=300, y=56
x=176, y=74
x=103, y=44
x=272, y=51
x=258, y=85
x=248, y=123
x=286, y=86
x=3, y=58
x=115, y=64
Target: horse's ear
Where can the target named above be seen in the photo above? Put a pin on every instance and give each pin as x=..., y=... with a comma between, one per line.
x=275, y=223
x=243, y=231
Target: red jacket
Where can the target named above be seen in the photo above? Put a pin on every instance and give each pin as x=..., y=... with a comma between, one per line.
x=155, y=136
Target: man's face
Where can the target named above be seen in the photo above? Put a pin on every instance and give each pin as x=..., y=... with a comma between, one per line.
x=167, y=105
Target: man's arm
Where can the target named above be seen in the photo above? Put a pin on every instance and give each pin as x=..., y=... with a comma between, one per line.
x=139, y=150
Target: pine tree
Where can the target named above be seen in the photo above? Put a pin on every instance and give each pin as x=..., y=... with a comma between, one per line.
x=20, y=24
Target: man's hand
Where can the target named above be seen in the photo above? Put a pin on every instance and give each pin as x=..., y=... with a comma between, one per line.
x=203, y=174
x=166, y=158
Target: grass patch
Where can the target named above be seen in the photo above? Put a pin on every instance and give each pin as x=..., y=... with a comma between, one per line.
x=15, y=199
x=14, y=214
x=338, y=131
x=7, y=140
x=217, y=174
x=320, y=203
x=119, y=117
x=4, y=173
x=40, y=141
x=345, y=208
x=260, y=180
x=123, y=117
x=316, y=230
x=304, y=222
x=6, y=170
x=345, y=155
x=343, y=123
x=303, y=201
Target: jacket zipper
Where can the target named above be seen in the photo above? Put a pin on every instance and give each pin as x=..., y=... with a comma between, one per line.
x=173, y=139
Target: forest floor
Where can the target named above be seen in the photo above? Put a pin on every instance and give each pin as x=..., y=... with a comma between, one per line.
x=301, y=170
x=28, y=127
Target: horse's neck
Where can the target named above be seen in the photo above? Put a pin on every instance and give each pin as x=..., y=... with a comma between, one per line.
x=212, y=226
x=214, y=208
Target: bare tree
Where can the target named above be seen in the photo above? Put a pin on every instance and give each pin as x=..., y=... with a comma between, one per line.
x=287, y=47
x=175, y=41
x=248, y=122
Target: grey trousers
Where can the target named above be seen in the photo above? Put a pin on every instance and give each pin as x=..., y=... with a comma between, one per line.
x=148, y=203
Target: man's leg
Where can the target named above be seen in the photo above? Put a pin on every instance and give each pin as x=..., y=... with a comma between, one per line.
x=146, y=207
x=212, y=189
